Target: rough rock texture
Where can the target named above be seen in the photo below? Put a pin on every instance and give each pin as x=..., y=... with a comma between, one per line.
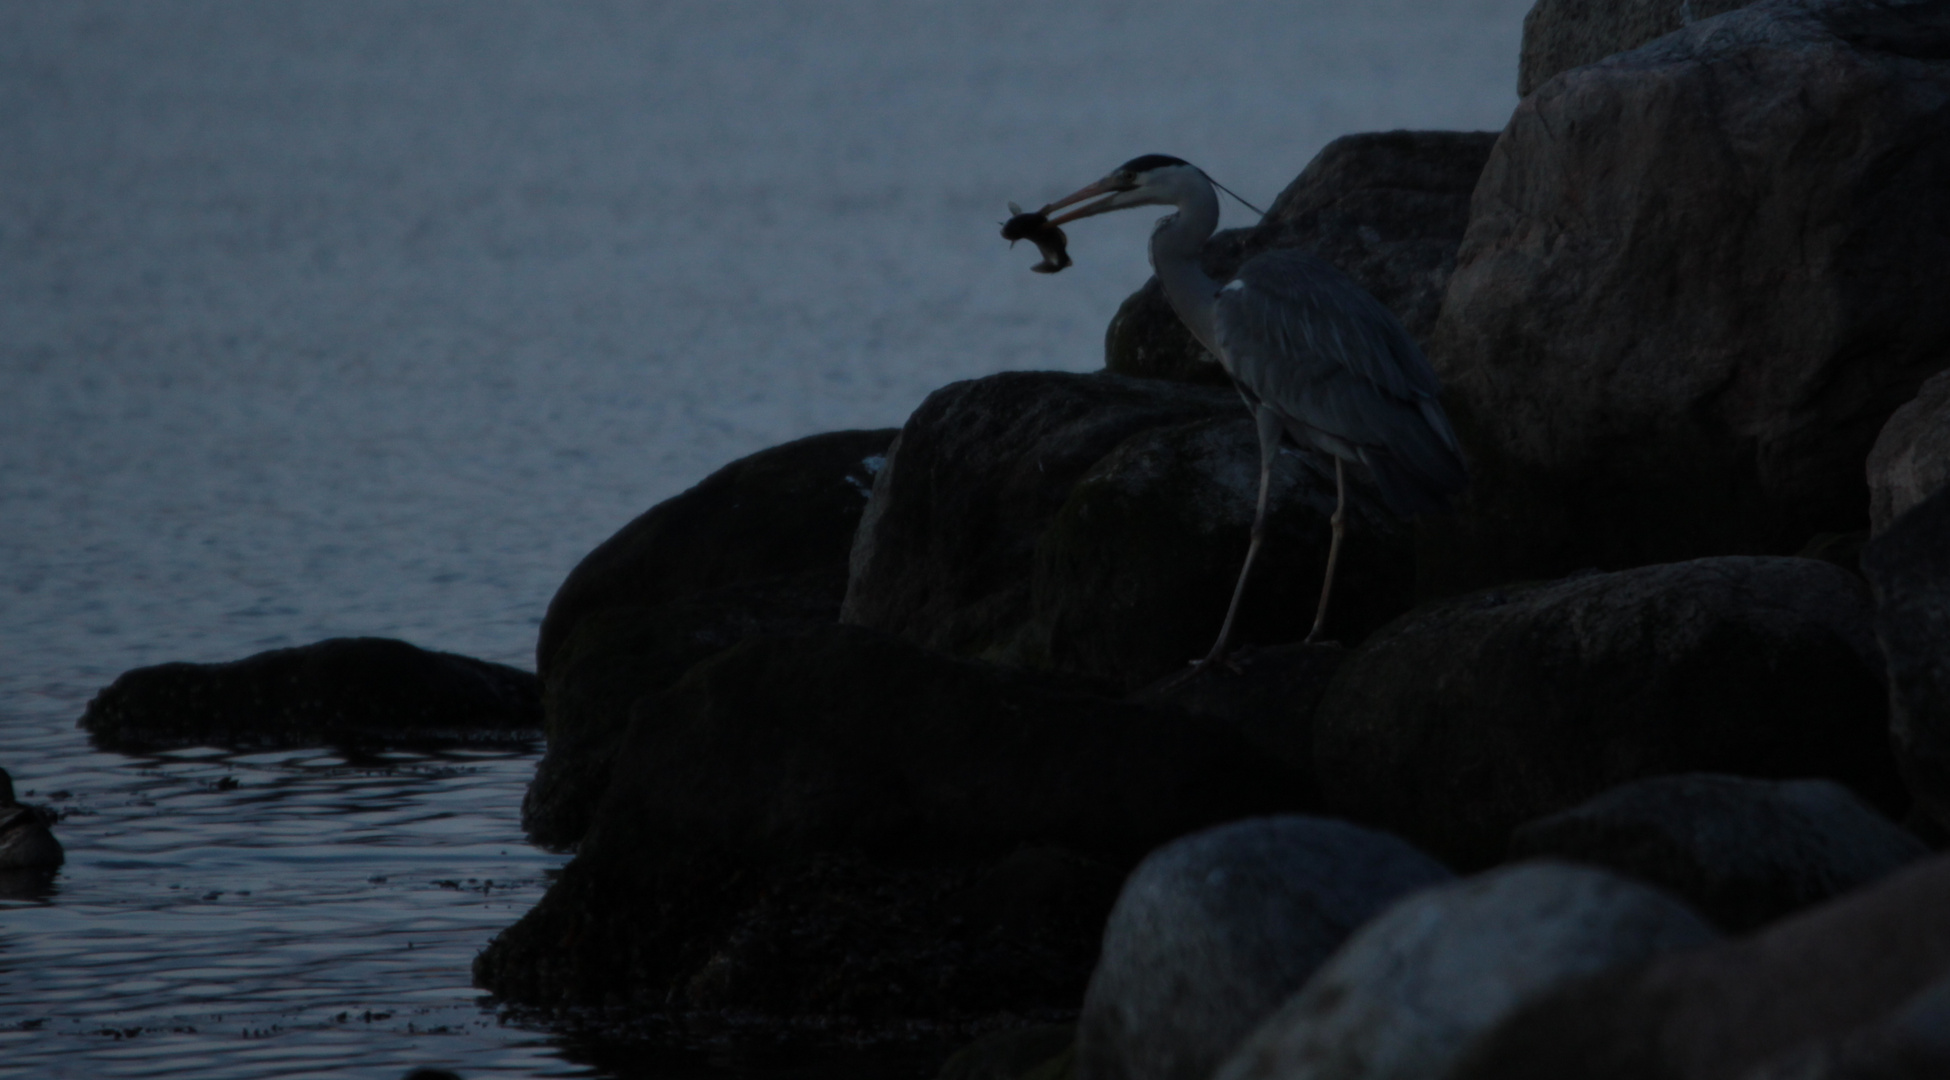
x=844, y=832
x=1562, y=34
x=1386, y=208
x=1716, y=1012
x=1909, y=569
x=760, y=546
x=1744, y=852
x=1697, y=280
x=1095, y=524
x=1911, y=457
x=1476, y=714
x=357, y=694
x=1914, y=1044
x=1214, y=931
x=1406, y=994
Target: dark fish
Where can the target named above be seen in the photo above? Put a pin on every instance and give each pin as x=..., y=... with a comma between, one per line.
x=1036, y=229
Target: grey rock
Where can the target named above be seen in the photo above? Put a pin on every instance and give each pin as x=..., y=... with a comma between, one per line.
x=1697, y=280
x=1403, y=998
x=1386, y=208
x=1744, y=852
x=1911, y=458
x=1214, y=931
x=1908, y=567
x=1470, y=716
x=1562, y=34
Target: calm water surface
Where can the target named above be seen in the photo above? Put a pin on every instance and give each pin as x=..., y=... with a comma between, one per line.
x=373, y=317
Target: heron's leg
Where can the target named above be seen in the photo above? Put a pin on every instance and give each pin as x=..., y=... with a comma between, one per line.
x=1339, y=521
x=1269, y=449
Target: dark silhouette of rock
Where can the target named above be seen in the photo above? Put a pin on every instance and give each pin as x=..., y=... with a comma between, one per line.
x=1404, y=996
x=841, y=830
x=1213, y=931
x=1723, y=1010
x=1473, y=715
x=1698, y=279
x=1744, y=852
x=760, y=546
x=1562, y=34
x=1908, y=567
x=1268, y=696
x=1095, y=524
x=1914, y=1044
x=1386, y=208
x=356, y=694
x=26, y=844
x=1009, y=1055
x=1911, y=457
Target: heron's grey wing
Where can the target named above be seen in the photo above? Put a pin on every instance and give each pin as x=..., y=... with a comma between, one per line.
x=1308, y=341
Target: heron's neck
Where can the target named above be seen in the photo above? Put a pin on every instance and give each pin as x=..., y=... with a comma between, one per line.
x=1175, y=248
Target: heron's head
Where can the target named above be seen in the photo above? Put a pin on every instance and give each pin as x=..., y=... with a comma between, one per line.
x=1151, y=180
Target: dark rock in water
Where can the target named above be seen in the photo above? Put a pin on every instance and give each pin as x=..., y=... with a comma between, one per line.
x=1911, y=458
x=26, y=844
x=1009, y=1055
x=842, y=831
x=1913, y=1044
x=1473, y=715
x=1408, y=991
x=1909, y=569
x=1095, y=524
x=356, y=694
x=1562, y=34
x=1744, y=852
x=1386, y=208
x=760, y=546
x=1698, y=279
x=1212, y=932
x=1268, y=696
x=1720, y=1011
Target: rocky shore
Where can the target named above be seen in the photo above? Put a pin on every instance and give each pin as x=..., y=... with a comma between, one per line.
x=1634, y=766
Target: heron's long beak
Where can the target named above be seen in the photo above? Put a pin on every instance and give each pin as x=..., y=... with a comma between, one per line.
x=1106, y=186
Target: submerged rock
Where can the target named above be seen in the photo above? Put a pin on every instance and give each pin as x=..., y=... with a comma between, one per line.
x=1720, y=1011
x=1214, y=931
x=1404, y=997
x=1909, y=568
x=841, y=831
x=26, y=843
x=356, y=694
x=1473, y=715
x=1698, y=278
x=1744, y=852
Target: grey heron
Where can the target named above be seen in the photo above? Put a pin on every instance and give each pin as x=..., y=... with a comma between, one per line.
x=1316, y=358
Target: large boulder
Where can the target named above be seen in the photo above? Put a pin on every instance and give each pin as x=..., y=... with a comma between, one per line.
x=1266, y=695
x=1909, y=569
x=356, y=694
x=1214, y=931
x=1095, y=524
x=760, y=546
x=1476, y=714
x=839, y=830
x=1562, y=34
x=1698, y=279
x=1913, y=1044
x=1744, y=852
x=1719, y=1011
x=1408, y=992
x=1386, y=208
x=1911, y=458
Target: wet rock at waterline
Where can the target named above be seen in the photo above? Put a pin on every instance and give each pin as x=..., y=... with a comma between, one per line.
x=1386, y=208
x=1562, y=34
x=356, y=694
x=1474, y=715
x=1095, y=524
x=758, y=546
x=1908, y=567
x=1720, y=1011
x=26, y=842
x=1213, y=931
x=1698, y=278
x=1744, y=852
x=1403, y=998
x=1911, y=458
x=843, y=828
